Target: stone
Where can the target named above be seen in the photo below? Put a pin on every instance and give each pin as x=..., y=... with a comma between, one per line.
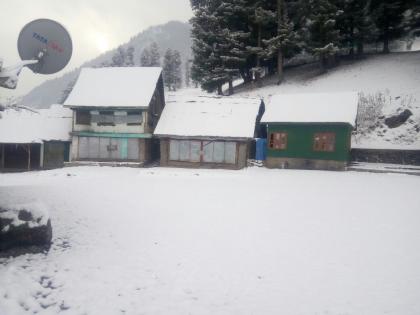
x=398, y=120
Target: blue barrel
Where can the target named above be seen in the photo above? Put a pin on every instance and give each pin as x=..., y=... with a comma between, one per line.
x=261, y=149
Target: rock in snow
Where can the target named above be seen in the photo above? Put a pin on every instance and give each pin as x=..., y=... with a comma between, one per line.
x=24, y=228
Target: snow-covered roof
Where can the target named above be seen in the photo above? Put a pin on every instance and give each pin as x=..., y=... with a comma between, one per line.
x=312, y=107
x=203, y=116
x=114, y=87
x=20, y=125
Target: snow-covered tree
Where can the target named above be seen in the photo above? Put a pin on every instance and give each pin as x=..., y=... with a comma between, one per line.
x=129, y=57
x=187, y=73
x=285, y=39
x=324, y=36
x=154, y=55
x=388, y=16
x=356, y=25
x=172, y=69
x=150, y=56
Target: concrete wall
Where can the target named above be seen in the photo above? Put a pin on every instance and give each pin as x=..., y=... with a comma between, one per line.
x=305, y=164
x=410, y=157
x=241, y=158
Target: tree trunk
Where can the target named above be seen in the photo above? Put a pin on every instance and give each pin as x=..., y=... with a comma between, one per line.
x=280, y=70
x=231, y=87
x=386, y=44
x=323, y=63
x=360, y=48
x=29, y=157
x=219, y=90
x=280, y=21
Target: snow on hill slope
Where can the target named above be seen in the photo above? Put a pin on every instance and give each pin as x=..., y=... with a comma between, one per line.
x=396, y=76
x=174, y=35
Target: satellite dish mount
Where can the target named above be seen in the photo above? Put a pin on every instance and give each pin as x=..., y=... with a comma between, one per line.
x=44, y=46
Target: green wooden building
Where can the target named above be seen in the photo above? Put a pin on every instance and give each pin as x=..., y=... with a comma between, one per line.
x=310, y=131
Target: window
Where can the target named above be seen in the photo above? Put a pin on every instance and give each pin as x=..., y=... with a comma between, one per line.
x=324, y=142
x=106, y=118
x=83, y=117
x=134, y=118
x=278, y=141
x=202, y=151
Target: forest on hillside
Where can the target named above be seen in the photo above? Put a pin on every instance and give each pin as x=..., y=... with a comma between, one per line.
x=251, y=38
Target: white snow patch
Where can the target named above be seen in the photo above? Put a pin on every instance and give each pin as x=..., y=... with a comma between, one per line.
x=230, y=117
x=114, y=87
x=312, y=107
x=20, y=125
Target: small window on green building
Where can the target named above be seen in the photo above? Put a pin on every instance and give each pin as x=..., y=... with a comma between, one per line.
x=324, y=142
x=278, y=141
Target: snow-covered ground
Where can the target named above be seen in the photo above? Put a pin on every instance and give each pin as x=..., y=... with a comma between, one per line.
x=256, y=241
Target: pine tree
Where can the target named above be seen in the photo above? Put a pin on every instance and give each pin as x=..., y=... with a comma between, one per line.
x=388, y=16
x=172, y=69
x=145, y=57
x=286, y=38
x=150, y=56
x=356, y=25
x=129, y=57
x=187, y=73
x=154, y=55
x=118, y=57
x=207, y=67
x=324, y=37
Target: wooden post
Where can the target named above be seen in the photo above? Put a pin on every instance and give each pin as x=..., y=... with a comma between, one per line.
x=29, y=157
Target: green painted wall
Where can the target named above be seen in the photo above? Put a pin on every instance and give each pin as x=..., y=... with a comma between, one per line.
x=300, y=140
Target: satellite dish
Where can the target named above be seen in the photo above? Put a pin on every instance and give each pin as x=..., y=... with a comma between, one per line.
x=46, y=41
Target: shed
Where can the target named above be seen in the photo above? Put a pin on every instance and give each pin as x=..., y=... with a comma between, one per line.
x=310, y=131
x=209, y=132
x=115, y=111
x=34, y=139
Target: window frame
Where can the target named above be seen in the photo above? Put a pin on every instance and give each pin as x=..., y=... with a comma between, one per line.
x=106, y=123
x=324, y=145
x=135, y=113
x=282, y=142
x=83, y=117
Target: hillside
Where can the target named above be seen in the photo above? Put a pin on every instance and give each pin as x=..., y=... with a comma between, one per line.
x=174, y=35
x=395, y=76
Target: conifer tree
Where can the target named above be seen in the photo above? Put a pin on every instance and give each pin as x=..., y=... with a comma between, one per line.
x=150, y=56
x=324, y=36
x=388, y=16
x=356, y=25
x=172, y=69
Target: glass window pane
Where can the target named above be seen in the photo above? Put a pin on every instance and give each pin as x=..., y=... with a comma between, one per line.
x=195, y=151
x=174, y=150
x=219, y=152
x=184, y=150
x=208, y=151
x=230, y=152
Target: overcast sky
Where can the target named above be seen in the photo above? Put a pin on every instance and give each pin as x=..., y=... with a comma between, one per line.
x=95, y=26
